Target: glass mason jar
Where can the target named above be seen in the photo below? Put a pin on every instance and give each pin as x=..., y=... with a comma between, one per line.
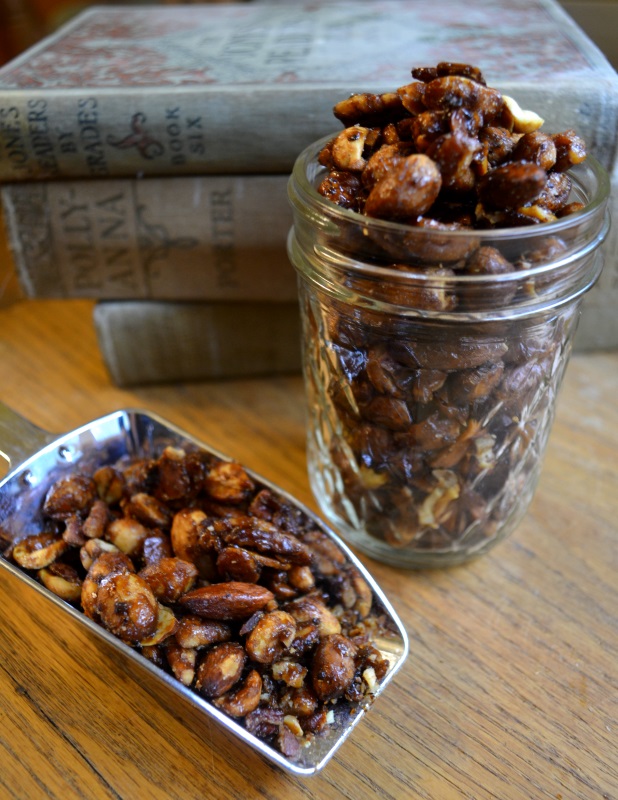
x=431, y=393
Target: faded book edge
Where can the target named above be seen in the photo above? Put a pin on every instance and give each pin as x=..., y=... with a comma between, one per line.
x=144, y=343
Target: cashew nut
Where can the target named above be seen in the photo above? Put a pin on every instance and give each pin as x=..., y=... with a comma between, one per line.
x=39, y=551
x=519, y=120
x=273, y=633
x=245, y=699
x=62, y=580
x=166, y=627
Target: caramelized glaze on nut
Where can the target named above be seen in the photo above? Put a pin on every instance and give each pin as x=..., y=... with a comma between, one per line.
x=217, y=581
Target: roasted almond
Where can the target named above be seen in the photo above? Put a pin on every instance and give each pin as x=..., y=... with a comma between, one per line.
x=227, y=601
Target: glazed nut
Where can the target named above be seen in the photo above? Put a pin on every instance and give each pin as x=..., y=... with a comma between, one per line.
x=307, y=636
x=325, y=554
x=570, y=149
x=427, y=74
x=427, y=127
x=264, y=537
x=301, y=578
x=309, y=609
x=366, y=107
x=155, y=654
x=96, y=522
x=39, y=550
x=185, y=534
x=230, y=600
x=92, y=549
x=155, y=547
x=220, y=669
x=556, y=193
x=291, y=722
x=342, y=188
x=370, y=680
x=537, y=213
x=188, y=541
x=228, y=482
x=454, y=154
x=166, y=627
x=127, y=607
x=412, y=97
x=73, y=494
x=488, y=260
x=456, y=91
x=273, y=633
x=436, y=504
x=174, y=481
x=264, y=722
x=195, y=632
x=537, y=147
x=348, y=147
x=127, y=534
x=381, y=163
x=169, y=578
x=181, y=661
x=62, y=580
x=244, y=699
x=517, y=119
x=363, y=599
x=291, y=673
x=148, y=510
x=300, y=701
x=238, y=564
x=333, y=666
x=110, y=484
x=288, y=743
x=500, y=143
x=73, y=533
x=278, y=584
x=406, y=191
x=109, y=562
x=512, y=185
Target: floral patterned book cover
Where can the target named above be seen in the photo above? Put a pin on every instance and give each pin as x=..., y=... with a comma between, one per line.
x=243, y=87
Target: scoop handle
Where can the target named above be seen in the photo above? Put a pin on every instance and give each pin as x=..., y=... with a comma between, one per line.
x=19, y=438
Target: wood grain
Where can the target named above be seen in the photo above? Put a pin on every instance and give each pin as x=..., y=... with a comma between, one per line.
x=510, y=690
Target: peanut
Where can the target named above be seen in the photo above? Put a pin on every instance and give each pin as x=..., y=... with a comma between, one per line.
x=127, y=607
x=220, y=669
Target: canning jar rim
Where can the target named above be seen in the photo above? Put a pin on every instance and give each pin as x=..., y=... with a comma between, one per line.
x=422, y=275
x=534, y=307
x=301, y=183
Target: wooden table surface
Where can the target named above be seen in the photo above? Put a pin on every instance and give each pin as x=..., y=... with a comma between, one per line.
x=511, y=687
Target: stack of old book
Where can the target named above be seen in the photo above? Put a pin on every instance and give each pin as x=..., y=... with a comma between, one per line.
x=145, y=152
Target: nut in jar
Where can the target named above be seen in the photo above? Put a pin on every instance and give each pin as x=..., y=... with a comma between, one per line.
x=444, y=243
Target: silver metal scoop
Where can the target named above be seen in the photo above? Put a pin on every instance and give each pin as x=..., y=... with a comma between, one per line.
x=38, y=458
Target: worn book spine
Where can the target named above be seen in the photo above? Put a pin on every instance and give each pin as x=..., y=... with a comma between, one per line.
x=159, y=342
x=192, y=238
x=244, y=87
